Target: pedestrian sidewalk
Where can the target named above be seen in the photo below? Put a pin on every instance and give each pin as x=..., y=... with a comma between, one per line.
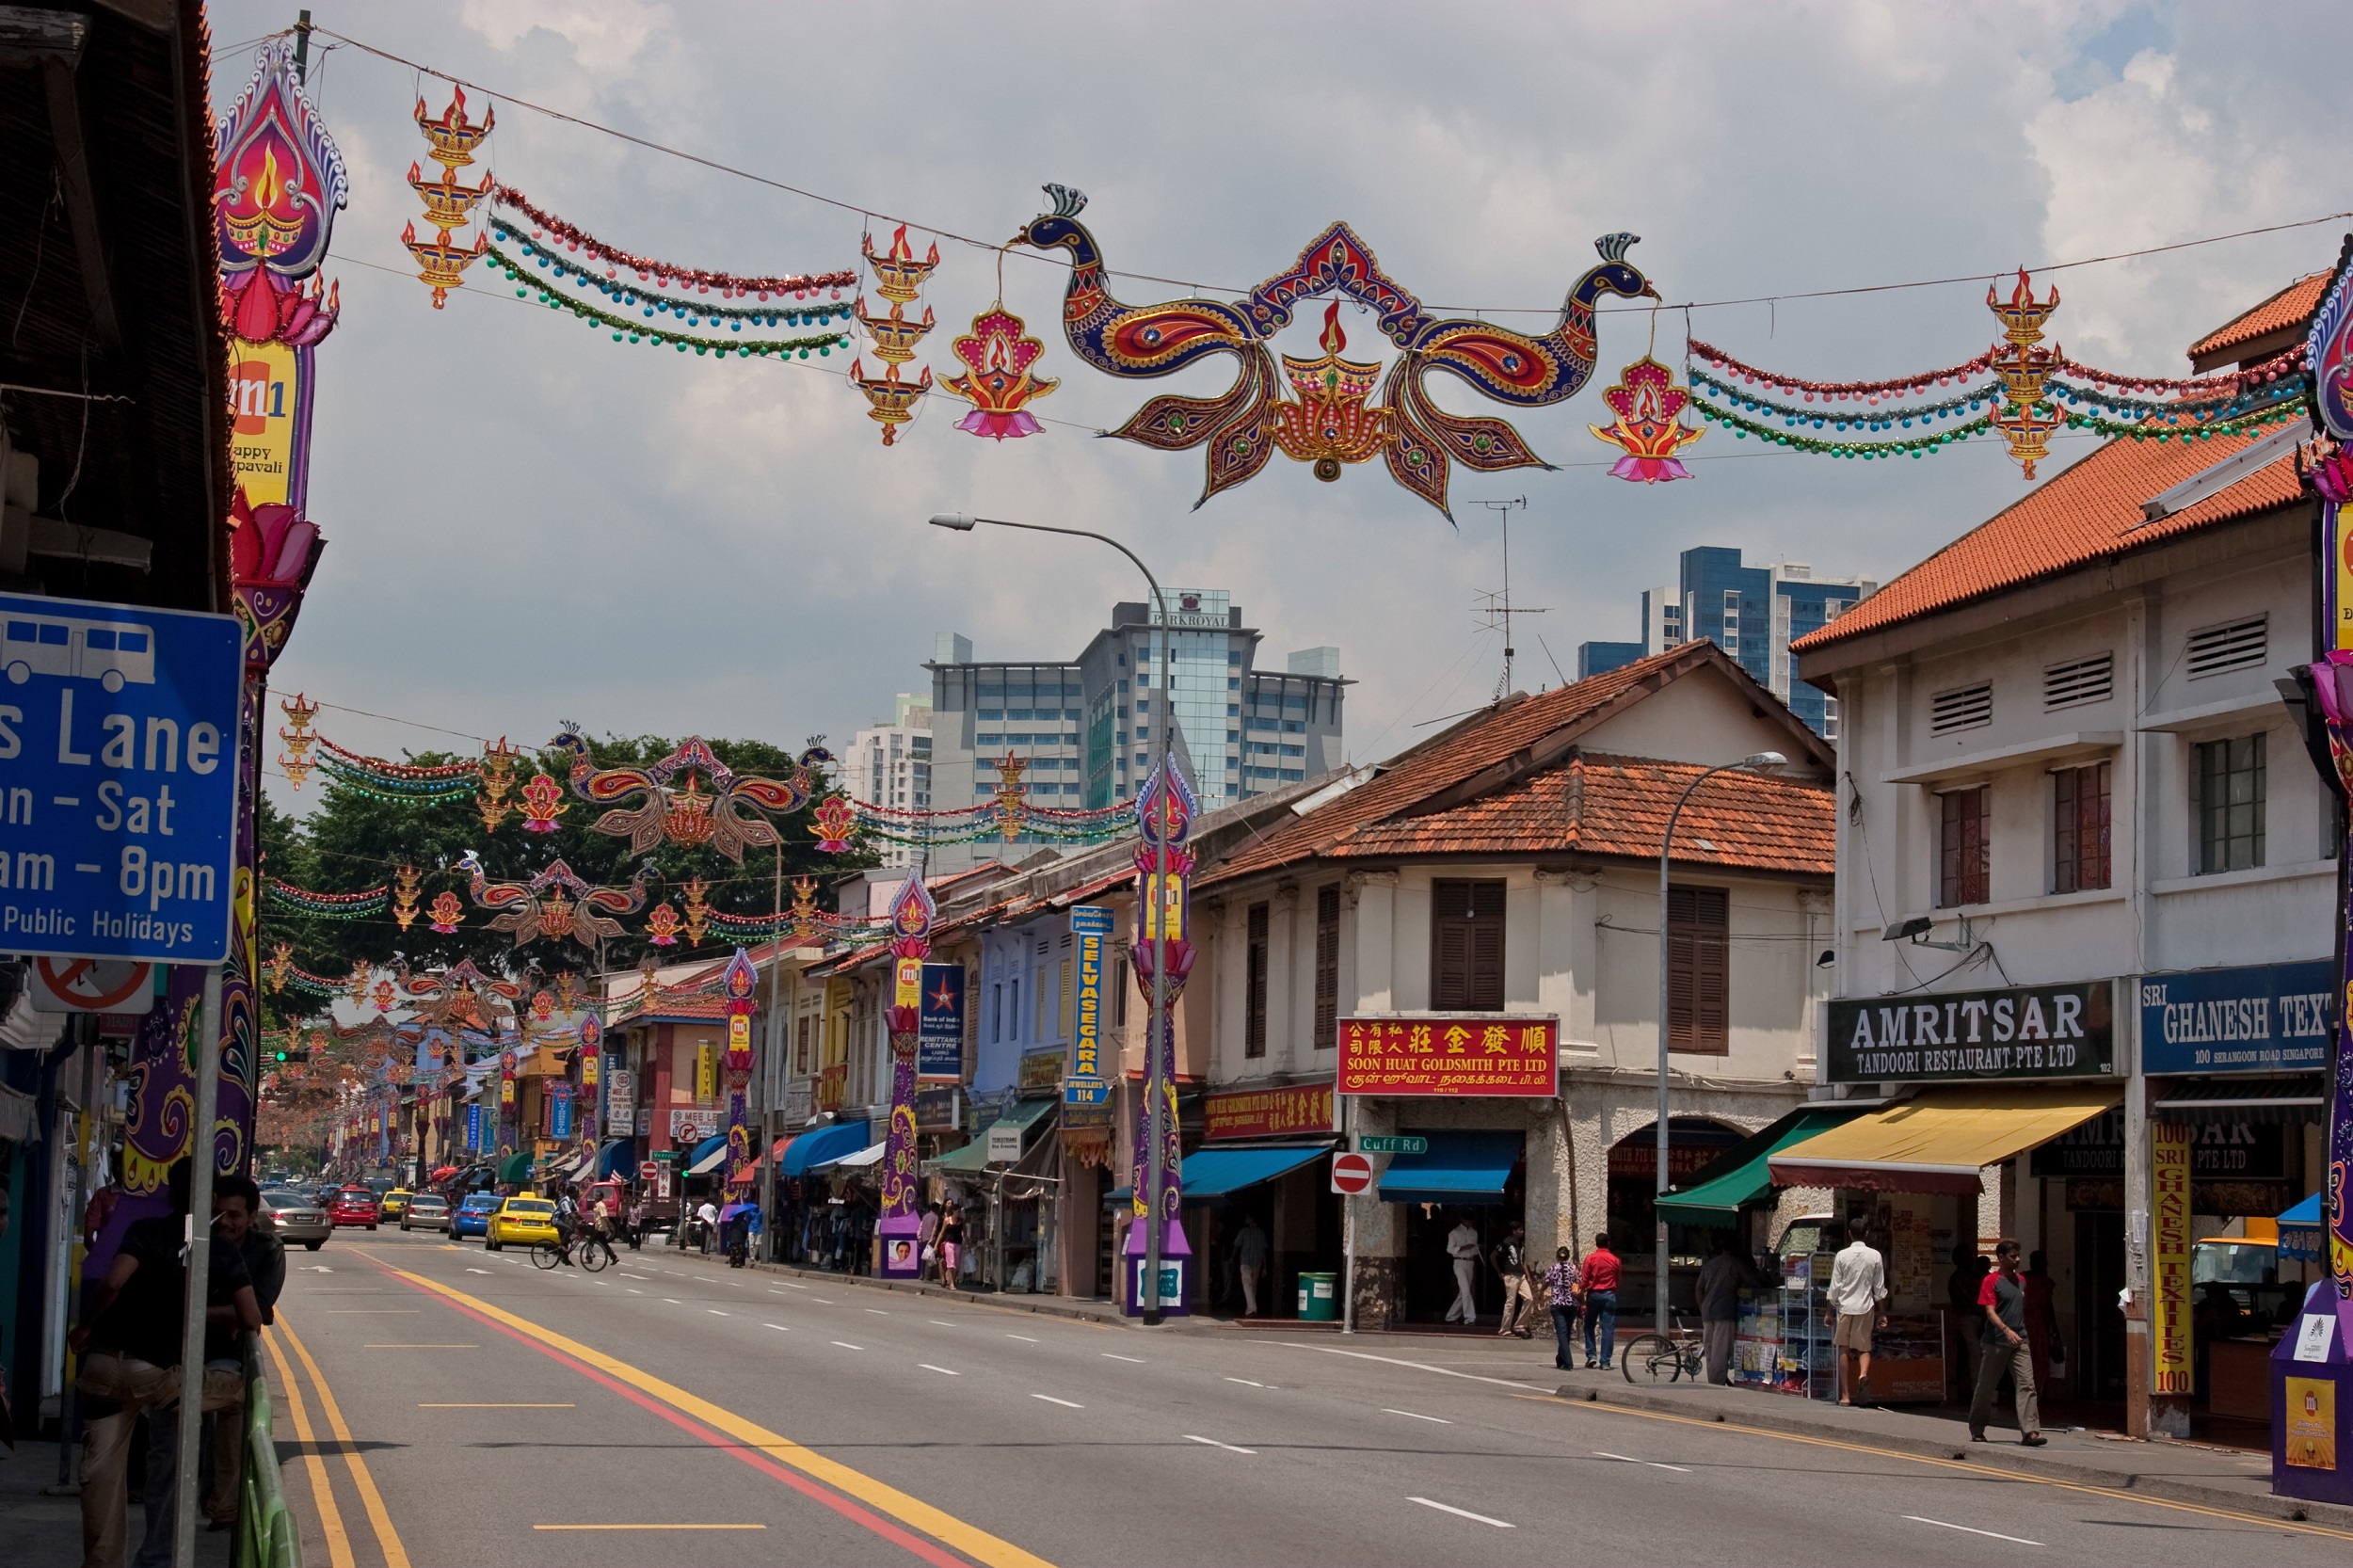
x=44, y=1531
x=2192, y=1473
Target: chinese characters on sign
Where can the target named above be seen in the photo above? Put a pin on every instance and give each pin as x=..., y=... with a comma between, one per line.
x=1267, y=1113
x=1479, y=1054
x=2169, y=1224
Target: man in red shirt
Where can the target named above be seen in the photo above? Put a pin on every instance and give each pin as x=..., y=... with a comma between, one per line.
x=1599, y=1279
x=2003, y=1347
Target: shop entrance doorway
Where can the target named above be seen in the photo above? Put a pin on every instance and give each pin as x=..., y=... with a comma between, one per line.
x=2099, y=1323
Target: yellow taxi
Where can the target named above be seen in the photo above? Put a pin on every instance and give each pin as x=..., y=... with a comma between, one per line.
x=393, y=1204
x=523, y=1221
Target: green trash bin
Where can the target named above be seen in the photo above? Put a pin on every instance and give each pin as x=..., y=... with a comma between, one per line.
x=1319, y=1298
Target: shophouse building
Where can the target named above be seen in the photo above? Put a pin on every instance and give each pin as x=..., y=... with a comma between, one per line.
x=1507, y=870
x=2086, y=890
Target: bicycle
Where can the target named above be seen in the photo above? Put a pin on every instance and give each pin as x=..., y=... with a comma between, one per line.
x=1676, y=1353
x=548, y=1255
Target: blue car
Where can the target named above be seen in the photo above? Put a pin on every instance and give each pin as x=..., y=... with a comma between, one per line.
x=472, y=1216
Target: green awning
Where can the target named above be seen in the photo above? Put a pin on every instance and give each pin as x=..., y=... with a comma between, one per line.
x=515, y=1167
x=972, y=1160
x=1739, y=1176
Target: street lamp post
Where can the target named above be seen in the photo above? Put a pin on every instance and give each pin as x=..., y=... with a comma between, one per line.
x=1155, y=1084
x=1756, y=762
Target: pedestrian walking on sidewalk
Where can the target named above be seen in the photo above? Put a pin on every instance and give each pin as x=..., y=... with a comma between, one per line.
x=1858, y=1293
x=1599, y=1283
x=927, y=1242
x=1462, y=1245
x=1561, y=1282
x=951, y=1246
x=2003, y=1347
x=1250, y=1256
x=1722, y=1278
x=1510, y=1262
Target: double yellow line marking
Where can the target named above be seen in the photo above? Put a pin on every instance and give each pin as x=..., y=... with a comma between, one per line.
x=330, y=1517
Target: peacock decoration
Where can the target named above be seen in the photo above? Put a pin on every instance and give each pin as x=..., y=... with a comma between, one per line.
x=1331, y=420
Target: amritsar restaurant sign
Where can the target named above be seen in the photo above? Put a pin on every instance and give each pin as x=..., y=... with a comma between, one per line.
x=1477, y=1054
x=2019, y=1032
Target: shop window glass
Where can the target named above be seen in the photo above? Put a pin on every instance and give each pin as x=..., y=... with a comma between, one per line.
x=2226, y=787
x=2079, y=829
x=1962, y=863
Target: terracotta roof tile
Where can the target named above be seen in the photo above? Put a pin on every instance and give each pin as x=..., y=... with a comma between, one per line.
x=1454, y=760
x=1605, y=804
x=2090, y=513
x=2291, y=306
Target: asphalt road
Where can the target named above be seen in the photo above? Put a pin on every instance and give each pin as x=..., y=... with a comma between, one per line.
x=463, y=1407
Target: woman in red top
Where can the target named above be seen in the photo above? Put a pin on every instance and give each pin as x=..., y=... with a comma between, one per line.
x=1599, y=1278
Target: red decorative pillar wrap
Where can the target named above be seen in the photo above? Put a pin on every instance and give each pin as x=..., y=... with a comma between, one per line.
x=912, y=913
x=739, y=981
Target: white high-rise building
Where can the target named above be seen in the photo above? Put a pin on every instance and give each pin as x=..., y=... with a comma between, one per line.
x=890, y=765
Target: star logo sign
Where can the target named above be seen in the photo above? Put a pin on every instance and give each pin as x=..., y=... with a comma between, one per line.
x=945, y=998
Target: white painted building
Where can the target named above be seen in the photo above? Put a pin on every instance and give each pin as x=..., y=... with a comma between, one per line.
x=890, y=765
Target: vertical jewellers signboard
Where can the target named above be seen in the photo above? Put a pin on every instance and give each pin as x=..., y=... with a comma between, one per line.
x=2019, y=1032
x=2261, y=1018
x=1429, y=1054
x=118, y=779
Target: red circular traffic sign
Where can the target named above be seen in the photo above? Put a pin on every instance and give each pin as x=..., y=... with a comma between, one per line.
x=1351, y=1174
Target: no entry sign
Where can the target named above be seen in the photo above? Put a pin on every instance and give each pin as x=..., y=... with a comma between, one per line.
x=1351, y=1173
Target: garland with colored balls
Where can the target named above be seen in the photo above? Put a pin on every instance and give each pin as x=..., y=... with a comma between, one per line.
x=623, y=328
x=576, y=238
x=652, y=301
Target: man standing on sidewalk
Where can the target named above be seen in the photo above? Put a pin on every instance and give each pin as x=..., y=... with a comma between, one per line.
x=2002, y=1347
x=1720, y=1280
x=1462, y=1245
x=1599, y=1283
x=1509, y=1261
x=1858, y=1292
x=1250, y=1256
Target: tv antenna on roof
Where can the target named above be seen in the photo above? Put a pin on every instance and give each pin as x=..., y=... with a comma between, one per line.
x=1498, y=609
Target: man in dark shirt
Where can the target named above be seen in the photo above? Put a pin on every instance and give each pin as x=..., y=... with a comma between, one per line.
x=130, y=1339
x=1510, y=1261
x=236, y=1202
x=2003, y=1347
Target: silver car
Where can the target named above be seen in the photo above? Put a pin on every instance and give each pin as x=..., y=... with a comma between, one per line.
x=296, y=1216
x=426, y=1211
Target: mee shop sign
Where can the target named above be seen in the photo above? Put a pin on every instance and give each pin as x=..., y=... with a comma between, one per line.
x=1478, y=1054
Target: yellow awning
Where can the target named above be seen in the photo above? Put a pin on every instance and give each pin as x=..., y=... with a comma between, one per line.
x=1938, y=1141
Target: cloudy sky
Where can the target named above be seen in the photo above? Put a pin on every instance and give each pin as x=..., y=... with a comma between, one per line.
x=531, y=524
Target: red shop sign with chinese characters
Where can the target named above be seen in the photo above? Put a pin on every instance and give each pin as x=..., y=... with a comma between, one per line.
x=1268, y=1112
x=1477, y=1054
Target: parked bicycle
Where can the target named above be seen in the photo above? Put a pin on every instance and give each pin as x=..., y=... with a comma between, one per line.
x=1654, y=1358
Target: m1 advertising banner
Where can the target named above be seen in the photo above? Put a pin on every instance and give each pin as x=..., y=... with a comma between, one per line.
x=1476, y=1054
x=2020, y=1032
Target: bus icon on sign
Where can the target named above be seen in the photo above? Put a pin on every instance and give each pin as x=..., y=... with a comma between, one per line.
x=108, y=653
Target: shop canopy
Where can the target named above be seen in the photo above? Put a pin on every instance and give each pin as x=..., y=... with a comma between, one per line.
x=1220, y=1173
x=972, y=1160
x=707, y=1155
x=1740, y=1175
x=515, y=1167
x=776, y=1149
x=823, y=1146
x=2301, y=1232
x=871, y=1155
x=1938, y=1141
x=1456, y=1167
x=614, y=1161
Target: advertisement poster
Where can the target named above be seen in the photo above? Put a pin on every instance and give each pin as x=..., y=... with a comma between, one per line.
x=2312, y=1434
x=2169, y=1226
x=939, y=1028
x=266, y=387
x=1090, y=928
x=1476, y=1055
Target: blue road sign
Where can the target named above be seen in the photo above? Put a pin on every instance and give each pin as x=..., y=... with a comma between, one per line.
x=118, y=779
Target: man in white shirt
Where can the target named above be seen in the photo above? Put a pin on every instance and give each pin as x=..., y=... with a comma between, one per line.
x=709, y=1215
x=1462, y=1245
x=1858, y=1293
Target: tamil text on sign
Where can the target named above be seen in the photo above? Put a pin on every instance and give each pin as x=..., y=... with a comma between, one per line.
x=1474, y=1054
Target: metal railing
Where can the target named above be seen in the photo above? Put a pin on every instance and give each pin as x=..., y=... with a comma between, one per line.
x=266, y=1537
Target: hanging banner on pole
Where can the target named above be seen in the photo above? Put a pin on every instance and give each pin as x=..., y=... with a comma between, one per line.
x=2169, y=1364
x=939, y=1034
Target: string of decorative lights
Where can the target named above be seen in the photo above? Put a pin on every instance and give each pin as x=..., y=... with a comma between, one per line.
x=653, y=302
x=623, y=328
x=573, y=238
x=1912, y=447
x=335, y=906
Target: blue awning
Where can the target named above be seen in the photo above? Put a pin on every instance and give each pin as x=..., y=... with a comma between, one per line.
x=822, y=1147
x=1217, y=1173
x=614, y=1161
x=705, y=1149
x=2299, y=1232
x=1457, y=1168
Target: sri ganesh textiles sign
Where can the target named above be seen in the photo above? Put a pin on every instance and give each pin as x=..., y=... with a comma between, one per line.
x=1476, y=1054
x=2021, y=1031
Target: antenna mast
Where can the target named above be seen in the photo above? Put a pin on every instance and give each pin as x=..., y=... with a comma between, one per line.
x=1498, y=610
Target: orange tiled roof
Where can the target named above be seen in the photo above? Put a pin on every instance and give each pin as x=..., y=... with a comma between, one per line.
x=1605, y=805
x=2290, y=307
x=1454, y=761
x=2090, y=513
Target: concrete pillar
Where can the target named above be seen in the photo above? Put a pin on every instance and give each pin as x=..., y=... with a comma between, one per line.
x=1375, y=944
x=1380, y=1234
x=1523, y=973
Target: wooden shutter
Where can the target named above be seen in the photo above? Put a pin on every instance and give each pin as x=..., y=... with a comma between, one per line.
x=1327, y=967
x=1466, y=947
x=1698, y=970
x=1254, y=1021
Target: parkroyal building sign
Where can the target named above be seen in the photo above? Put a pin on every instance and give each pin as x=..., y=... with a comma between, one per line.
x=2020, y=1032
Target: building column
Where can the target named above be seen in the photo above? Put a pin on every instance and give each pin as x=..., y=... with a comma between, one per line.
x=1380, y=1233
x=1375, y=943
